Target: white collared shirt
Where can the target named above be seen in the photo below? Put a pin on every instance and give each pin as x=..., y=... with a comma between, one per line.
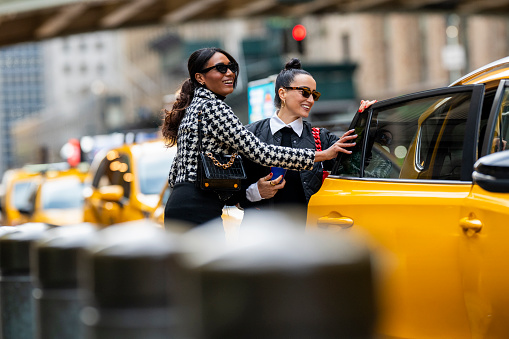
x=252, y=192
x=276, y=124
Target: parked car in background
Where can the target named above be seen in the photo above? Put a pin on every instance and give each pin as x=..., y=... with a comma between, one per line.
x=18, y=186
x=439, y=236
x=49, y=193
x=124, y=183
x=58, y=199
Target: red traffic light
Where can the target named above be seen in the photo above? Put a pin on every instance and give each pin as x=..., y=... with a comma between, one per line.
x=299, y=32
x=71, y=151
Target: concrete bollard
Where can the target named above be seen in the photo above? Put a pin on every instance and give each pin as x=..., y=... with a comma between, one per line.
x=278, y=281
x=16, y=303
x=7, y=229
x=58, y=298
x=126, y=273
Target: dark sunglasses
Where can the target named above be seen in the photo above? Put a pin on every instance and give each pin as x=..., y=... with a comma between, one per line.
x=306, y=92
x=222, y=68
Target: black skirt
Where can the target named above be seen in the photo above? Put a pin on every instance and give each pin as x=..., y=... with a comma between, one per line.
x=192, y=205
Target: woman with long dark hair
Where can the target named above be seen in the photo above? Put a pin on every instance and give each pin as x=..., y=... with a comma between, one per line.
x=213, y=74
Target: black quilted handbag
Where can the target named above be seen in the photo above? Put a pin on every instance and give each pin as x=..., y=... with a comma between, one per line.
x=218, y=172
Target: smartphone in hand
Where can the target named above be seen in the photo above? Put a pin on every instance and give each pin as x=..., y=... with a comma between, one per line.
x=277, y=171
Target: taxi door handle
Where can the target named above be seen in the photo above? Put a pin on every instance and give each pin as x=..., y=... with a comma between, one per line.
x=343, y=222
x=469, y=224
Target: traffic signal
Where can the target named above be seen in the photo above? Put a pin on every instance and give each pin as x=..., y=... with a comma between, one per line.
x=71, y=152
x=298, y=34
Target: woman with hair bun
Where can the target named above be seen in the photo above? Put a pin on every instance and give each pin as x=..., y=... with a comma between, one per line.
x=295, y=95
x=213, y=74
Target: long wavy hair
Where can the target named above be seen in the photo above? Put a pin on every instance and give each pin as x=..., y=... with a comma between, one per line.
x=196, y=62
x=286, y=76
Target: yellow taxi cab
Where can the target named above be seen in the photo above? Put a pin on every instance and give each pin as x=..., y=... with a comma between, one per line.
x=438, y=235
x=124, y=183
x=58, y=199
x=18, y=186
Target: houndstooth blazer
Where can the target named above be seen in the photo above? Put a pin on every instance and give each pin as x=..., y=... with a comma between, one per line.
x=222, y=132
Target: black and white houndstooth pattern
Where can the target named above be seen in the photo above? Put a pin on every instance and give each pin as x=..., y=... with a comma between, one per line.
x=224, y=133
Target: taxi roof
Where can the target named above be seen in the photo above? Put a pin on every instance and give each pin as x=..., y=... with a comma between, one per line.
x=490, y=73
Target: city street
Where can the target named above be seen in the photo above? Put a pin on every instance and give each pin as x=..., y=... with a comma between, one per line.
x=139, y=141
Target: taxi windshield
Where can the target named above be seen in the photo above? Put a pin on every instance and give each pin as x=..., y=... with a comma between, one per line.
x=153, y=170
x=21, y=193
x=62, y=194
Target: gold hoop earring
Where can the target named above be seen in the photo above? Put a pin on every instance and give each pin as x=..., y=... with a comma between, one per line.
x=283, y=104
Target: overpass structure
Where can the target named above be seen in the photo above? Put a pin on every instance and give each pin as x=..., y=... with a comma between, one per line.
x=33, y=20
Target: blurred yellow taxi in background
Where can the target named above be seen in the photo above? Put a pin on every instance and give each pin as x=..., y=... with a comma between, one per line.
x=47, y=193
x=58, y=199
x=440, y=236
x=18, y=185
x=125, y=183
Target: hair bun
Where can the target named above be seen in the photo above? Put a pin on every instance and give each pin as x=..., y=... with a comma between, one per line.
x=293, y=64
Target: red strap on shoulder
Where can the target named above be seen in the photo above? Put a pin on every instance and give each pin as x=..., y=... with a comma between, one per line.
x=316, y=135
x=318, y=144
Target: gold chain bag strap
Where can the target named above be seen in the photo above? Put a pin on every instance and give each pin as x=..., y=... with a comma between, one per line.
x=218, y=172
x=218, y=164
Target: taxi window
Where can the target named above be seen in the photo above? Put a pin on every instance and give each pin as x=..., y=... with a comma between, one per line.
x=114, y=170
x=62, y=194
x=420, y=137
x=348, y=165
x=22, y=193
x=439, y=148
x=501, y=133
x=153, y=169
x=501, y=145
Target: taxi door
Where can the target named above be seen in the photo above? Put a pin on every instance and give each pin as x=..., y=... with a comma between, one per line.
x=485, y=230
x=108, y=198
x=402, y=188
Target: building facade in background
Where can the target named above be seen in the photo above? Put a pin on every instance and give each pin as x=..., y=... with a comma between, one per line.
x=84, y=85
x=22, y=94
x=146, y=84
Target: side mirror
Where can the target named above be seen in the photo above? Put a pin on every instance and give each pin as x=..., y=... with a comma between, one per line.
x=111, y=193
x=491, y=172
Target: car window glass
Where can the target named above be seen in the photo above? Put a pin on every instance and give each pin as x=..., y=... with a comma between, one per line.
x=348, y=165
x=153, y=169
x=100, y=177
x=115, y=169
x=416, y=139
x=166, y=195
x=439, y=149
x=62, y=193
x=501, y=134
x=22, y=193
x=489, y=97
x=391, y=132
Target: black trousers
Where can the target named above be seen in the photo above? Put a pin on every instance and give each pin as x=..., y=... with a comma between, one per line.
x=191, y=205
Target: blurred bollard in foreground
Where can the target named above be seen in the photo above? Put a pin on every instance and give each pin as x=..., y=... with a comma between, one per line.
x=278, y=282
x=16, y=302
x=125, y=270
x=58, y=298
